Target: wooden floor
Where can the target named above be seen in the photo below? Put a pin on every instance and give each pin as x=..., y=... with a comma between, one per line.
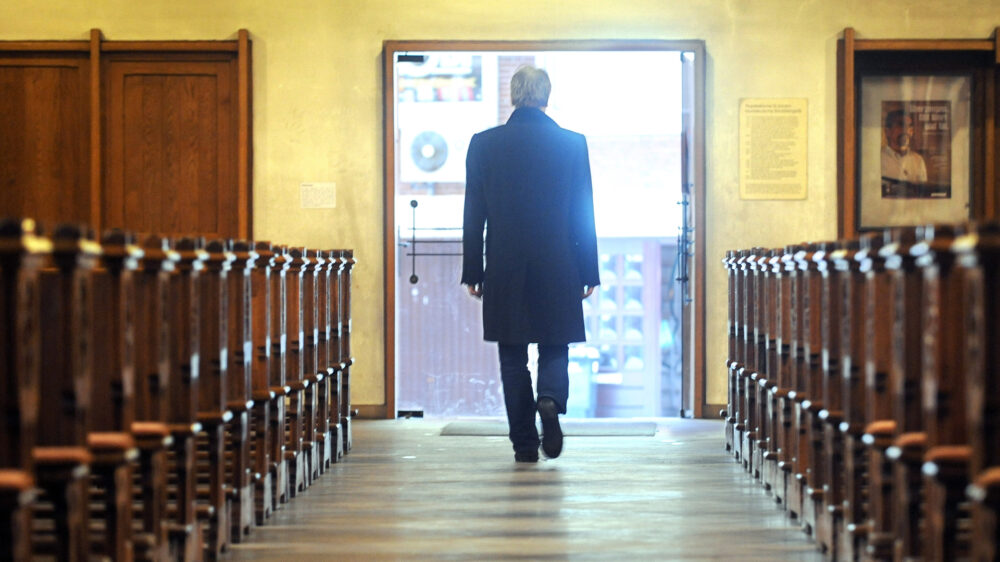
x=407, y=493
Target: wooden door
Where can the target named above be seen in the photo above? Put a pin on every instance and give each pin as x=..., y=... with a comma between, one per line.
x=171, y=156
x=45, y=137
x=150, y=136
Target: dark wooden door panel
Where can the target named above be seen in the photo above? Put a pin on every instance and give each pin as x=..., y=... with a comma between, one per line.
x=171, y=158
x=45, y=138
x=150, y=136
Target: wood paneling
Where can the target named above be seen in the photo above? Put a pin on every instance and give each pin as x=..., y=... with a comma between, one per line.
x=150, y=136
x=171, y=158
x=45, y=143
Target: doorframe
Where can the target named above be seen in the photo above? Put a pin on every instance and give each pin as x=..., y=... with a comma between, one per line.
x=389, y=50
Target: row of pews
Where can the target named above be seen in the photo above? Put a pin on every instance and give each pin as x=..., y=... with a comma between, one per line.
x=162, y=396
x=864, y=391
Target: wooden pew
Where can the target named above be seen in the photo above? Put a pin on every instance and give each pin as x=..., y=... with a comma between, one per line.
x=346, y=359
x=112, y=396
x=747, y=405
x=185, y=531
x=213, y=413
x=739, y=366
x=279, y=383
x=906, y=451
x=880, y=407
x=310, y=369
x=980, y=261
x=22, y=253
x=831, y=415
x=163, y=346
x=152, y=384
x=855, y=348
x=334, y=364
x=728, y=415
x=800, y=440
x=240, y=400
x=810, y=382
x=61, y=456
x=947, y=453
x=835, y=328
x=783, y=404
x=758, y=379
x=880, y=428
x=264, y=397
x=767, y=384
x=298, y=473
x=323, y=361
x=737, y=391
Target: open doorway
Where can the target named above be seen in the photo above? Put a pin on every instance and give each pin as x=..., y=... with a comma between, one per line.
x=638, y=105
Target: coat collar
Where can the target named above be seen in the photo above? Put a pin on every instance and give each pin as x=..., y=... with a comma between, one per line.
x=523, y=115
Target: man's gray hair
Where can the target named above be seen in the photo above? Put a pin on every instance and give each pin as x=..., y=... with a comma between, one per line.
x=530, y=87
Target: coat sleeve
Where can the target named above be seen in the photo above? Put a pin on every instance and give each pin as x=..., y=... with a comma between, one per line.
x=585, y=232
x=474, y=220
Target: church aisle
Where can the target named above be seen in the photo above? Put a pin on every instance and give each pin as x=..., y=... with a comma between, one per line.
x=407, y=493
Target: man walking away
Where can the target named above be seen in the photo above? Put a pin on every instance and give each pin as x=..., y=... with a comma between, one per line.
x=528, y=186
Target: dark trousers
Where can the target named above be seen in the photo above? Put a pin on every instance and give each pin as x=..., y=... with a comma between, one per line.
x=519, y=396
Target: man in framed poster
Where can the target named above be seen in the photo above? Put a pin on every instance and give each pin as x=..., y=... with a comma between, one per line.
x=920, y=125
x=911, y=131
x=898, y=161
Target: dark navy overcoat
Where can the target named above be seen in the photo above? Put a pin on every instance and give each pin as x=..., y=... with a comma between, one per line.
x=528, y=185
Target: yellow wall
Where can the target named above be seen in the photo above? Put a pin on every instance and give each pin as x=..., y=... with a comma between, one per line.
x=317, y=109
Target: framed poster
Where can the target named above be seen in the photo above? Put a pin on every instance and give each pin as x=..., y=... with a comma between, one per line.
x=914, y=150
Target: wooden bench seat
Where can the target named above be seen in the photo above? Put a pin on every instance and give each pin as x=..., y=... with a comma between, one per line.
x=22, y=253
x=180, y=413
x=62, y=458
x=862, y=385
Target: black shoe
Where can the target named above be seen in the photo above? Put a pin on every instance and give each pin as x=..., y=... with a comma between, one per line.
x=552, y=437
x=526, y=457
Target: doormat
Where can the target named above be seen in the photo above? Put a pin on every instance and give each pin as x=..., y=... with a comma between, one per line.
x=570, y=427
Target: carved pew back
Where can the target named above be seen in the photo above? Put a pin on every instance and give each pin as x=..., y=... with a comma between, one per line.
x=212, y=394
x=279, y=367
x=310, y=370
x=323, y=360
x=62, y=458
x=880, y=428
x=152, y=384
x=297, y=465
x=347, y=359
x=783, y=377
x=22, y=253
x=829, y=519
x=728, y=413
x=906, y=452
x=239, y=387
x=981, y=276
x=185, y=531
x=852, y=265
x=334, y=355
x=812, y=318
x=263, y=395
x=113, y=413
x=772, y=369
x=943, y=392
